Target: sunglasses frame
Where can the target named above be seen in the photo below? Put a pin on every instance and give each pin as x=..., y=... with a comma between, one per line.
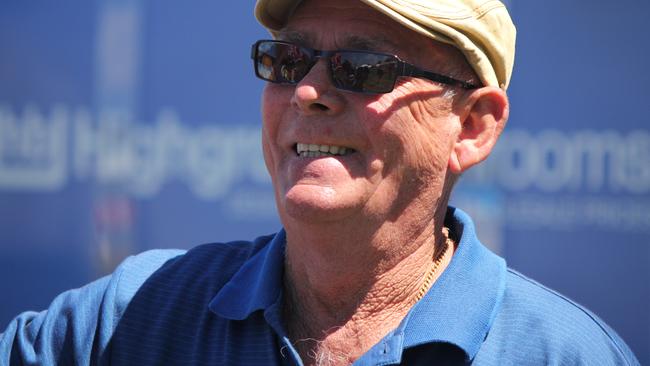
x=403, y=68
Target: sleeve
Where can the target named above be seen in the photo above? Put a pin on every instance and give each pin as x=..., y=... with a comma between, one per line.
x=538, y=326
x=602, y=347
x=77, y=326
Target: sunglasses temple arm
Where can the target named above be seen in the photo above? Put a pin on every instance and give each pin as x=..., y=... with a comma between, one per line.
x=410, y=70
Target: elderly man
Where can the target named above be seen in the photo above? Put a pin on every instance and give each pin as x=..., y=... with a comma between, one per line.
x=372, y=111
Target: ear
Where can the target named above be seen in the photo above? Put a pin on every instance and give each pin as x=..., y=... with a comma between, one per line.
x=483, y=115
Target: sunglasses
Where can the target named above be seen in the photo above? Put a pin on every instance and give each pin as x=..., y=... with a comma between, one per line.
x=357, y=71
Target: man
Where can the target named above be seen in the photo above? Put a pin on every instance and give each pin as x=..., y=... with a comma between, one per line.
x=372, y=267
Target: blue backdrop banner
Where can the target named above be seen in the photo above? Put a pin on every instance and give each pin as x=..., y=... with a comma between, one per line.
x=128, y=125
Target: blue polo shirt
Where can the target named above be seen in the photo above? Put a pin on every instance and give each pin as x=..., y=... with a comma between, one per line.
x=220, y=304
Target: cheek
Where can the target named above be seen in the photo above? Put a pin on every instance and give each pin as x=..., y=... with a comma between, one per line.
x=383, y=129
x=275, y=103
x=417, y=135
x=274, y=100
x=272, y=104
x=430, y=149
x=268, y=154
x=431, y=129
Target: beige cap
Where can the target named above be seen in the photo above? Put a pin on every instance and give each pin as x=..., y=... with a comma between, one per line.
x=481, y=29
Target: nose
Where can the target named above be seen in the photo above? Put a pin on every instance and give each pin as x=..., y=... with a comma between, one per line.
x=315, y=94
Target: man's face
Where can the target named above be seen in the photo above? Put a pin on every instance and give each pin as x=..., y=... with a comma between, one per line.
x=398, y=143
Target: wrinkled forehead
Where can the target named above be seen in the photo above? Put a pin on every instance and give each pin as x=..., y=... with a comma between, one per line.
x=357, y=41
x=353, y=25
x=344, y=24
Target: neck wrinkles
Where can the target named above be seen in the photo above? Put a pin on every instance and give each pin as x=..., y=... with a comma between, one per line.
x=356, y=294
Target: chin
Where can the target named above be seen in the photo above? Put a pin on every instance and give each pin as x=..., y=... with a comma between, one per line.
x=313, y=204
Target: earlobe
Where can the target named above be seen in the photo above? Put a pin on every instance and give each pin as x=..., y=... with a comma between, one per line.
x=483, y=114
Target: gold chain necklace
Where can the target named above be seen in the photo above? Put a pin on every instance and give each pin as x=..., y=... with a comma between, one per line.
x=436, y=263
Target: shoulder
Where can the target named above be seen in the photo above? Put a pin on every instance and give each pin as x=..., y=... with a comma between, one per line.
x=538, y=325
x=81, y=324
x=171, y=304
x=174, y=270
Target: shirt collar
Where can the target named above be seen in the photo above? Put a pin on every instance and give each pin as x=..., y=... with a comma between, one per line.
x=474, y=281
x=256, y=286
x=462, y=304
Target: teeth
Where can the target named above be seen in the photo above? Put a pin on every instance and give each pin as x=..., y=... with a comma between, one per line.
x=314, y=150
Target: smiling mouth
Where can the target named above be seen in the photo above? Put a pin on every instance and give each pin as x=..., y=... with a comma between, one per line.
x=315, y=151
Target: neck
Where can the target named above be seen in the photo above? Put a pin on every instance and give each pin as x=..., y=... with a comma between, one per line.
x=347, y=288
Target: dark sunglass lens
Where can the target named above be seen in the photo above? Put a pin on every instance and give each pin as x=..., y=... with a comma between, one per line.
x=281, y=62
x=364, y=71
